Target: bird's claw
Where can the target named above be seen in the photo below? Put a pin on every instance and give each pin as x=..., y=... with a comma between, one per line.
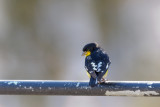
x=102, y=81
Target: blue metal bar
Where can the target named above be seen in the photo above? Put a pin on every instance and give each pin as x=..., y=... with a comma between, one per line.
x=79, y=88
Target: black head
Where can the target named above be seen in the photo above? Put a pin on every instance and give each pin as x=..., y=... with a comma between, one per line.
x=90, y=47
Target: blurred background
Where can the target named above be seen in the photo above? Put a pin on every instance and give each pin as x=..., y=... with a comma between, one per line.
x=43, y=40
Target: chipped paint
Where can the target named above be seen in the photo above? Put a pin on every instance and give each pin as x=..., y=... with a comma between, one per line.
x=150, y=86
x=131, y=93
x=49, y=88
x=29, y=88
x=85, y=87
x=77, y=84
x=149, y=83
x=13, y=82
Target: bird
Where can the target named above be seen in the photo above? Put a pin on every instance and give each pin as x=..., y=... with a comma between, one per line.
x=97, y=63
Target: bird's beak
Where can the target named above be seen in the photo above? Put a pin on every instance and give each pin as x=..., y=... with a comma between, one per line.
x=84, y=53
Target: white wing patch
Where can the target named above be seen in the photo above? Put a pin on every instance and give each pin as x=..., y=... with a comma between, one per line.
x=107, y=66
x=94, y=66
x=99, y=65
x=97, y=68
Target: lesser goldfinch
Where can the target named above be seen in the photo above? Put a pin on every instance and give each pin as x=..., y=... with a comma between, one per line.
x=97, y=63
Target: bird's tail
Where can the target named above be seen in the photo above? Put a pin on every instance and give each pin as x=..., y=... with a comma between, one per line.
x=93, y=82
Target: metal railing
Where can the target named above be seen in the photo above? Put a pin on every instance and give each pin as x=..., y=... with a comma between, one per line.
x=79, y=88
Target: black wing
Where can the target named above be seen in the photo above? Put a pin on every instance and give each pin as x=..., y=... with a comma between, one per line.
x=96, y=63
x=91, y=67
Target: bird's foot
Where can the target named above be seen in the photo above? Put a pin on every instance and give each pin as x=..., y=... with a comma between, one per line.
x=99, y=82
x=103, y=80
